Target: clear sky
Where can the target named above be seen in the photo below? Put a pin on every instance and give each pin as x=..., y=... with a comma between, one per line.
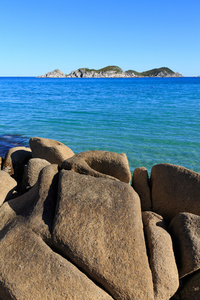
x=40, y=36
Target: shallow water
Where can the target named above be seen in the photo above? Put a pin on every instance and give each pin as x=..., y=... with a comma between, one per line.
x=152, y=120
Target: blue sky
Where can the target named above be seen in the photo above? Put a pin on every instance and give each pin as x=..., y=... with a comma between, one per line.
x=40, y=36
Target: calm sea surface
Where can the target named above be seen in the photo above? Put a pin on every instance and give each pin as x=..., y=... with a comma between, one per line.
x=152, y=120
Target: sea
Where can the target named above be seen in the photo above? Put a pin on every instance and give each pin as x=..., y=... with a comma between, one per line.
x=152, y=120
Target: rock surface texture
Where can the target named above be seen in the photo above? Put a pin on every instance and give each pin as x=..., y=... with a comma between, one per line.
x=51, y=150
x=31, y=270
x=75, y=228
x=53, y=74
x=140, y=183
x=161, y=256
x=100, y=164
x=15, y=160
x=108, y=242
x=7, y=185
x=111, y=72
x=185, y=231
x=32, y=171
x=175, y=189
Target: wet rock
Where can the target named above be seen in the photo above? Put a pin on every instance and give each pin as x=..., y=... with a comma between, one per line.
x=51, y=150
x=98, y=226
x=100, y=164
x=175, y=189
x=140, y=183
x=161, y=256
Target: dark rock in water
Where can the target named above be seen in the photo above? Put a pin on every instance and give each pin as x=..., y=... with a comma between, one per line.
x=8, y=141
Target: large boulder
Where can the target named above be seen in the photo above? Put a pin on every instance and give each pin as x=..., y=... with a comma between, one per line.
x=98, y=226
x=37, y=206
x=20, y=206
x=51, y=150
x=31, y=270
x=140, y=183
x=175, y=189
x=191, y=288
x=40, y=219
x=15, y=160
x=161, y=256
x=185, y=231
x=7, y=186
x=32, y=171
x=100, y=164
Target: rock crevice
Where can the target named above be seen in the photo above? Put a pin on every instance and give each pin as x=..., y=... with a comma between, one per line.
x=72, y=227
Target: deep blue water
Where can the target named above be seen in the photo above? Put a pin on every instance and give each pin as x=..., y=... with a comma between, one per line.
x=152, y=120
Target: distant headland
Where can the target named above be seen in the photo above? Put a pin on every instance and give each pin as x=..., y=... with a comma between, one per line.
x=111, y=72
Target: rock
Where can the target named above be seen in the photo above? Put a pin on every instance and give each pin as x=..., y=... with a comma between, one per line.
x=107, y=72
x=32, y=171
x=116, y=72
x=174, y=189
x=37, y=206
x=51, y=150
x=31, y=270
x=20, y=206
x=53, y=74
x=41, y=218
x=1, y=162
x=140, y=183
x=7, y=186
x=98, y=226
x=185, y=231
x=100, y=164
x=191, y=288
x=161, y=256
x=15, y=160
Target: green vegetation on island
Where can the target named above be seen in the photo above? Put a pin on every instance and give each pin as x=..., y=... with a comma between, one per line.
x=156, y=72
x=113, y=72
x=106, y=69
x=133, y=72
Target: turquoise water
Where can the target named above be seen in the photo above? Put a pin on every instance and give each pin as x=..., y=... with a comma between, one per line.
x=152, y=120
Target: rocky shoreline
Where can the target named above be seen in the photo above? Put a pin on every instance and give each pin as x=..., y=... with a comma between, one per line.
x=111, y=72
x=73, y=227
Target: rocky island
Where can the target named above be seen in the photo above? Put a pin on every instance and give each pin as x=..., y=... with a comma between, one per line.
x=111, y=72
x=73, y=227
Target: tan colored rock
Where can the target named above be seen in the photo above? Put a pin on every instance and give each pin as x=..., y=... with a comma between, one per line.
x=7, y=186
x=31, y=270
x=98, y=226
x=191, y=288
x=15, y=160
x=161, y=256
x=51, y=150
x=20, y=206
x=140, y=183
x=185, y=231
x=32, y=171
x=100, y=164
x=37, y=205
x=1, y=162
x=174, y=189
x=41, y=218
